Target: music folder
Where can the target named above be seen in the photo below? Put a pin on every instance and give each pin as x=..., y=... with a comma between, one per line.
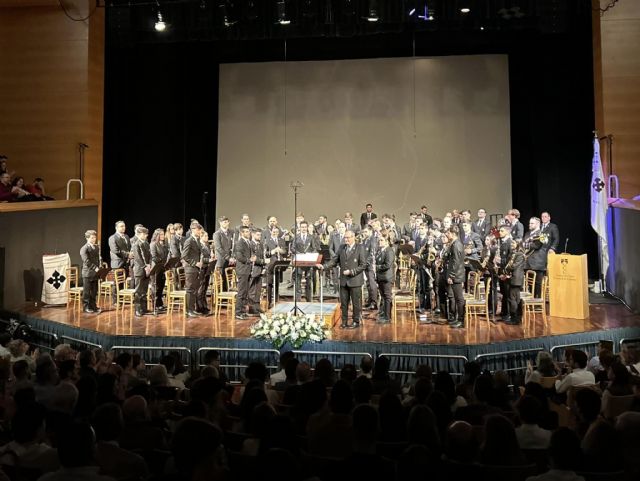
x=171, y=262
x=309, y=259
x=102, y=273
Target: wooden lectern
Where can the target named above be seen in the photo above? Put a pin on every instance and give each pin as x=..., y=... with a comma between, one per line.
x=568, y=286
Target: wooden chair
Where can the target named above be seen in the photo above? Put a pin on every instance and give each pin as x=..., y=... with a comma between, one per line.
x=124, y=296
x=232, y=279
x=533, y=305
x=181, y=278
x=175, y=298
x=220, y=299
x=406, y=297
x=106, y=289
x=616, y=405
x=529, y=285
x=473, y=280
x=74, y=292
x=475, y=307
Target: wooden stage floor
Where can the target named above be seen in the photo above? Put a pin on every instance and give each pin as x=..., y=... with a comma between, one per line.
x=405, y=330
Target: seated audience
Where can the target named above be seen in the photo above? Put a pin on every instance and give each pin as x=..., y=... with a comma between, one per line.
x=381, y=379
x=290, y=378
x=500, y=447
x=113, y=460
x=366, y=366
x=565, y=457
x=460, y=442
x=530, y=435
x=578, y=376
x=544, y=368
x=329, y=431
x=37, y=189
x=281, y=375
x=6, y=189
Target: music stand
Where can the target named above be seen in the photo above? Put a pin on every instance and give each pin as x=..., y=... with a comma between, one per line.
x=274, y=266
x=152, y=275
x=102, y=273
x=406, y=249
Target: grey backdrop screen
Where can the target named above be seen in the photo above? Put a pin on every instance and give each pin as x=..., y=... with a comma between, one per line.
x=358, y=131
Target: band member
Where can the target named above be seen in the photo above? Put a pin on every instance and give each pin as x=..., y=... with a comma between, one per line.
x=440, y=274
x=367, y=216
x=456, y=218
x=141, y=270
x=299, y=220
x=517, y=229
x=192, y=262
x=514, y=274
x=352, y=260
x=223, y=246
x=536, y=245
x=120, y=247
x=426, y=218
x=504, y=254
x=455, y=279
x=336, y=240
x=272, y=221
x=255, y=280
x=159, y=256
x=408, y=230
x=370, y=245
x=275, y=250
x=472, y=247
x=384, y=265
x=90, y=255
x=465, y=216
x=421, y=246
x=245, y=221
x=242, y=252
x=205, y=275
x=304, y=243
x=320, y=226
x=551, y=230
x=481, y=226
x=132, y=276
x=349, y=224
x=489, y=253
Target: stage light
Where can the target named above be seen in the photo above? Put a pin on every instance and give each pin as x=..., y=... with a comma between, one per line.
x=282, y=13
x=373, y=12
x=465, y=10
x=421, y=12
x=223, y=11
x=160, y=26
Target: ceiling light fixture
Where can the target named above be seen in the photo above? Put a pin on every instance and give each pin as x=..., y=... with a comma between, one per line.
x=160, y=25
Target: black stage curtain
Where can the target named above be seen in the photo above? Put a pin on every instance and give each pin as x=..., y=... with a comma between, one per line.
x=161, y=119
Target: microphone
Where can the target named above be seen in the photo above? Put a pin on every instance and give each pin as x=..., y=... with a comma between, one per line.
x=83, y=145
x=566, y=242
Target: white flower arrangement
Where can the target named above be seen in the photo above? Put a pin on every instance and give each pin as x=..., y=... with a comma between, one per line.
x=294, y=329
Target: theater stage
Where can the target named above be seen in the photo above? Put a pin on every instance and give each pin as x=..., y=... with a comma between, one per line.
x=497, y=346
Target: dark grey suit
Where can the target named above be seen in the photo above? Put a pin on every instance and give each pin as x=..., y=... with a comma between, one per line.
x=536, y=258
x=365, y=217
x=517, y=230
x=385, y=260
x=191, y=254
x=159, y=255
x=481, y=227
x=242, y=254
x=222, y=246
x=355, y=261
x=554, y=235
x=119, y=248
x=90, y=256
x=141, y=264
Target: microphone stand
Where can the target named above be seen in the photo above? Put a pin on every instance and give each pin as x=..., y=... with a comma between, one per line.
x=295, y=186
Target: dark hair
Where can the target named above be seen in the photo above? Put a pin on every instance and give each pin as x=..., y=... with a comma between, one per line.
x=444, y=384
x=85, y=357
x=529, y=409
x=580, y=358
x=621, y=375
x=29, y=418
x=454, y=229
x=76, y=445
x=366, y=364
x=66, y=368
x=285, y=356
x=213, y=355
x=365, y=422
x=588, y=403
x=341, y=400
x=369, y=205
x=5, y=338
x=348, y=373
x=564, y=449
x=123, y=360
x=362, y=390
x=381, y=367
x=107, y=422
x=324, y=372
x=290, y=368
x=194, y=441
x=500, y=446
x=256, y=371
x=169, y=362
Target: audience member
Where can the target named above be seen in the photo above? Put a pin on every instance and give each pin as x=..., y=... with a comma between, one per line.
x=530, y=435
x=281, y=374
x=565, y=457
x=500, y=447
x=578, y=376
x=37, y=189
x=460, y=443
x=381, y=379
x=544, y=368
x=330, y=432
x=366, y=366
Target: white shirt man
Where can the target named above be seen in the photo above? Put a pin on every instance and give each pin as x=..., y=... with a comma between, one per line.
x=577, y=377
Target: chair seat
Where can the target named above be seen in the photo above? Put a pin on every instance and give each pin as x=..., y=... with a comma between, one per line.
x=475, y=303
x=76, y=289
x=107, y=283
x=525, y=295
x=126, y=292
x=533, y=300
x=178, y=293
x=227, y=294
x=403, y=298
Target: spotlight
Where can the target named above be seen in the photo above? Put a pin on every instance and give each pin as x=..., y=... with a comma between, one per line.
x=223, y=10
x=373, y=12
x=160, y=26
x=282, y=13
x=421, y=12
x=465, y=10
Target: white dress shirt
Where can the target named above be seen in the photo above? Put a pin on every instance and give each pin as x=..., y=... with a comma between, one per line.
x=578, y=377
x=532, y=436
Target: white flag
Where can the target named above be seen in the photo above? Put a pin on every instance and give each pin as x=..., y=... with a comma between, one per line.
x=54, y=288
x=599, y=205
